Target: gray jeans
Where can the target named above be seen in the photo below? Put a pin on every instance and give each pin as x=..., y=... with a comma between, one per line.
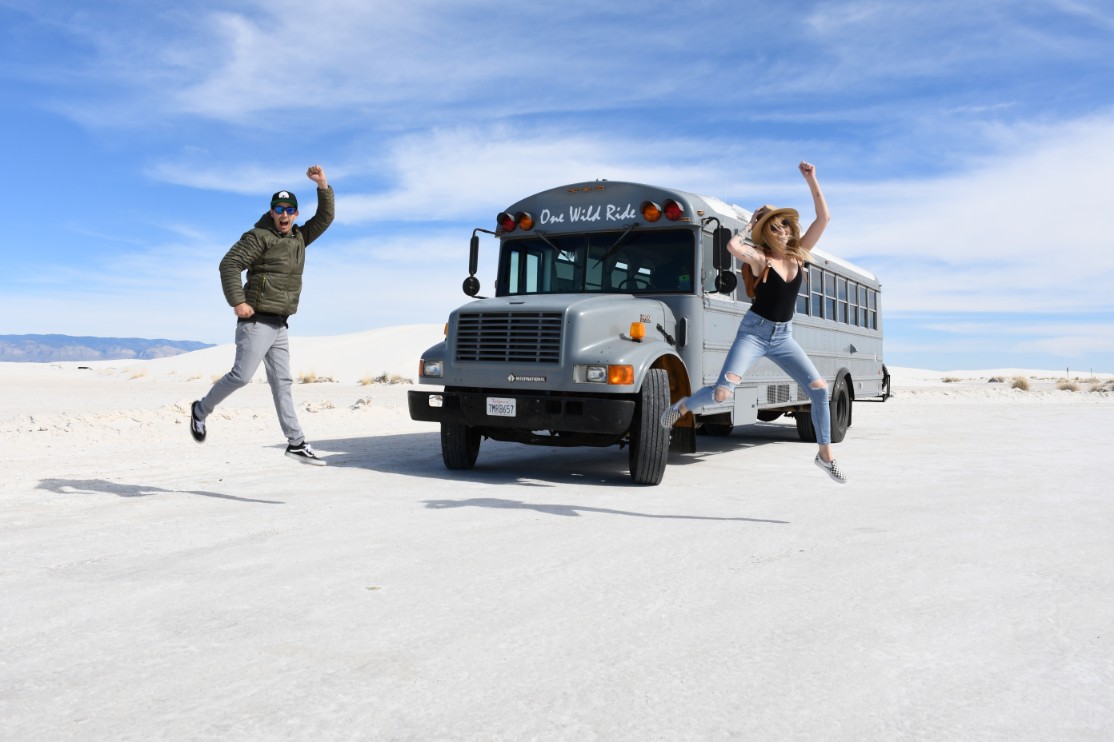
x=259, y=342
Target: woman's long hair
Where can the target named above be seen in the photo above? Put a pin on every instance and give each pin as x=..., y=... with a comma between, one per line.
x=793, y=247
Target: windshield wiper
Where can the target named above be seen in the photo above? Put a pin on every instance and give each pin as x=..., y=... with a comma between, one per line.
x=546, y=240
x=618, y=243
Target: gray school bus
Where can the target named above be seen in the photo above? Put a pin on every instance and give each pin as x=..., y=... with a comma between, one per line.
x=612, y=300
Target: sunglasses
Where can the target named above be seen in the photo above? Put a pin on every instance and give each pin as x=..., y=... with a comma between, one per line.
x=287, y=209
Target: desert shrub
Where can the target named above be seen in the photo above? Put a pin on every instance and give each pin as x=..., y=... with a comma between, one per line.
x=996, y=380
x=951, y=379
x=385, y=378
x=1020, y=382
x=1066, y=385
x=311, y=377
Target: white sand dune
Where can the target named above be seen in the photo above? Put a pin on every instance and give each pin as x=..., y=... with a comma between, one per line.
x=152, y=588
x=393, y=351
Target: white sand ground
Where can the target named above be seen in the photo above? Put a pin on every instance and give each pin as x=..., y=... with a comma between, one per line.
x=152, y=588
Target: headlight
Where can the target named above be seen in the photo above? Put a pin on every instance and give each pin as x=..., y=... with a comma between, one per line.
x=434, y=369
x=597, y=374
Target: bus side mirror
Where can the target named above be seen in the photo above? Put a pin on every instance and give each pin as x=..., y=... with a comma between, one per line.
x=471, y=284
x=726, y=281
x=721, y=259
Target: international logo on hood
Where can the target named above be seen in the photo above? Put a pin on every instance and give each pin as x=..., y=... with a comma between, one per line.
x=512, y=378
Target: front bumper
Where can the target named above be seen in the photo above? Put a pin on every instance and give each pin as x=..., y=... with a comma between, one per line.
x=573, y=414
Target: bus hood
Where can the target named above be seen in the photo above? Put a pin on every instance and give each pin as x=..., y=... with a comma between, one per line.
x=621, y=308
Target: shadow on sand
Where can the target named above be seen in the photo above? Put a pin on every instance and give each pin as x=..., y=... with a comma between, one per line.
x=419, y=455
x=101, y=486
x=573, y=511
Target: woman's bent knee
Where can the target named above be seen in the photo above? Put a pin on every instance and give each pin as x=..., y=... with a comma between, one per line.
x=723, y=393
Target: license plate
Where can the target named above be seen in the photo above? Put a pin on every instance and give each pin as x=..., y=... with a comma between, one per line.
x=501, y=406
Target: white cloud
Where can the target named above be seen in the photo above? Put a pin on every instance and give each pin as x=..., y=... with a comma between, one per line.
x=1029, y=230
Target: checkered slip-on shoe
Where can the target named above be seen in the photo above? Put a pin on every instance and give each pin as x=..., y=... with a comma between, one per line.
x=670, y=417
x=832, y=468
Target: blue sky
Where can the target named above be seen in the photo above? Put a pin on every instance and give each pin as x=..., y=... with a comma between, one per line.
x=966, y=149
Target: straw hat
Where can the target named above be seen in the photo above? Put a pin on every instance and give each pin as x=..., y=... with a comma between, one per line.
x=764, y=214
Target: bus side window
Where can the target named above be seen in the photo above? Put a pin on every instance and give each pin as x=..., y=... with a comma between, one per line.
x=841, y=295
x=829, y=295
x=816, y=285
x=802, y=294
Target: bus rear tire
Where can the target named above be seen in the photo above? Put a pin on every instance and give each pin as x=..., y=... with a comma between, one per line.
x=460, y=446
x=840, y=408
x=805, y=430
x=649, y=440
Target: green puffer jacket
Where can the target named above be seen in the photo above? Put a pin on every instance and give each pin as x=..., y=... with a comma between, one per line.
x=274, y=262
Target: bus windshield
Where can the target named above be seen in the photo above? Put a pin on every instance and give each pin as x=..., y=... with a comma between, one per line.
x=652, y=261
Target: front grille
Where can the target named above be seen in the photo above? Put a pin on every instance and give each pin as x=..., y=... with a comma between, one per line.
x=509, y=337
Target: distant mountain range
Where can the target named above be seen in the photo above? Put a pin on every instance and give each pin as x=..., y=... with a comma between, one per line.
x=43, y=348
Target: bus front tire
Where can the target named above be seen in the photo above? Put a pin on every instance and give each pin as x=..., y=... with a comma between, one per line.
x=460, y=446
x=649, y=440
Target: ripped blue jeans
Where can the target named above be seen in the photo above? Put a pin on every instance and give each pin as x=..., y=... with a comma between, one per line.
x=759, y=337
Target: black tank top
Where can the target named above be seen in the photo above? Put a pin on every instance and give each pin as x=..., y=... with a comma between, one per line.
x=775, y=299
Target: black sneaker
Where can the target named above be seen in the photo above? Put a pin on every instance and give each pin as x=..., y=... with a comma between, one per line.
x=197, y=424
x=302, y=452
x=832, y=468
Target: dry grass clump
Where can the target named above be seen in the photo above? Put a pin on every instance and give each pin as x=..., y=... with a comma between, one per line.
x=384, y=378
x=951, y=379
x=138, y=374
x=1066, y=385
x=311, y=377
x=1020, y=382
x=996, y=380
